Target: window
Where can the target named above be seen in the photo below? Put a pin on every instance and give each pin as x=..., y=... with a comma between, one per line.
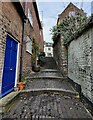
x=49, y=54
x=29, y=45
x=49, y=49
x=72, y=13
x=30, y=16
x=40, y=33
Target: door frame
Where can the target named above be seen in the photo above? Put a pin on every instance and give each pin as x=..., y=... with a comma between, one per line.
x=17, y=60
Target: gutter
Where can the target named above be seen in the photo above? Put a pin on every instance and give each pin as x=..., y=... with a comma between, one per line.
x=19, y=9
x=37, y=14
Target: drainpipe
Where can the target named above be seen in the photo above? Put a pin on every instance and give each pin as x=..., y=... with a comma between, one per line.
x=21, y=56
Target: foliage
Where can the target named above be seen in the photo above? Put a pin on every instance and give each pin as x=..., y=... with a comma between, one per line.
x=23, y=79
x=68, y=28
x=35, y=50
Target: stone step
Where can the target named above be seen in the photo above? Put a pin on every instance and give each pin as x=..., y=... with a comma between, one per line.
x=63, y=92
x=49, y=70
x=50, y=63
x=44, y=77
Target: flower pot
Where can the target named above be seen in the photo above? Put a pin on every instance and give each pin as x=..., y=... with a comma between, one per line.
x=21, y=85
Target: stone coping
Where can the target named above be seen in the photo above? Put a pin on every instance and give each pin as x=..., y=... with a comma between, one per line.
x=8, y=98
x=43, y=77
x=49, y=70
x=67, y=92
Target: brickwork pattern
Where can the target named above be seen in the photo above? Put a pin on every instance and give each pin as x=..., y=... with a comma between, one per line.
x=36, y=33
x=60, y=51
x=26, y=55
x=31, y=30
x=10, y=22
x=65, y=13
x=60, y=55
x=80, y=63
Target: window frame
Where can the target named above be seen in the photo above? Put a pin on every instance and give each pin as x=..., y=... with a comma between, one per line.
x=29, y=45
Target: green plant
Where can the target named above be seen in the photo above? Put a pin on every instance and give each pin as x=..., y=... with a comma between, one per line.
x=23, y=79
x=68, y=28
x=35, y=51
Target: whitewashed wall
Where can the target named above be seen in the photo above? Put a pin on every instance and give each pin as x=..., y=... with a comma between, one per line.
x=80, y=62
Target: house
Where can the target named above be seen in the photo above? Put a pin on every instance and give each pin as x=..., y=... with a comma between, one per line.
x=59, y=50
x=33, y=29
x=71, y=9
x=16, y=33
x=48, y=49
x=12, y=24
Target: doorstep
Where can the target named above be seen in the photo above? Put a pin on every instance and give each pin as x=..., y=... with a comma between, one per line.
x=7, y=99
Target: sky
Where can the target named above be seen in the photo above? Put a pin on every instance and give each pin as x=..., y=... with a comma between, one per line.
x=48, y=12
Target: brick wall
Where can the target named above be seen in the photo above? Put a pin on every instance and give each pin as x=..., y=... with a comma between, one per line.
x=31, y=30
x=80, y=63
x=38, y=33
x=26, y=55
x=92, y=62
x=60, y=55
x=10, y=22
x=70, y=7
x=60, y=51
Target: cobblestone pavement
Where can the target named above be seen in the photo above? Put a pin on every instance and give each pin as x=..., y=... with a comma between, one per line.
x=46, y=104
x=41, y=106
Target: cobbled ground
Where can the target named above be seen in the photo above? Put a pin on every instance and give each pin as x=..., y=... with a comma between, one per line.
x=41, y=106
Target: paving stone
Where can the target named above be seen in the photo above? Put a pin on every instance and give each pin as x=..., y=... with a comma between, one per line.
x=47, y=105
x=55, y=106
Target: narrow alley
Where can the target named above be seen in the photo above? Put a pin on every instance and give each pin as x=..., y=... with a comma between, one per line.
x=47, y=96
x=46, y=60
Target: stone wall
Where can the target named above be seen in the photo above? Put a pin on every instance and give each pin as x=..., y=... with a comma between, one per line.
x=80, y=63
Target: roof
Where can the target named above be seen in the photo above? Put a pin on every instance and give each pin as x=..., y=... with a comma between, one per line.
x=70, y=4
x=37, y=14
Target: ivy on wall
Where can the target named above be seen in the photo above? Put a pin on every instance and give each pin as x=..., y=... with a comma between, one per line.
x=69, y=27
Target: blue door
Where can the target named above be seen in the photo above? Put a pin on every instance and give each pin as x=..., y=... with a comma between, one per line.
x=8, y=79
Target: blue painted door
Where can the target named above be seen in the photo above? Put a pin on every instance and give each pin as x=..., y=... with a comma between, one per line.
x=9, y=71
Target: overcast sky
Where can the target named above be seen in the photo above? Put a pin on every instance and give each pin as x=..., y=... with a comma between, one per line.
x=49, y=12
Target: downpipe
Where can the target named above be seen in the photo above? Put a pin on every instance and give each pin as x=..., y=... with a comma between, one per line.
x=21, y=56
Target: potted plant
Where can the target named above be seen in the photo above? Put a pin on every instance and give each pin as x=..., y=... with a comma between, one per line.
x=35, y=52
x=21, y=85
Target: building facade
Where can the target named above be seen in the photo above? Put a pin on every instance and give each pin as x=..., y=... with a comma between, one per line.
x=11, y=20
x=59, y=50
x=16, y=33
x=80, y=62
x=33, y=29
x=77, y=58
x=48, y=49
